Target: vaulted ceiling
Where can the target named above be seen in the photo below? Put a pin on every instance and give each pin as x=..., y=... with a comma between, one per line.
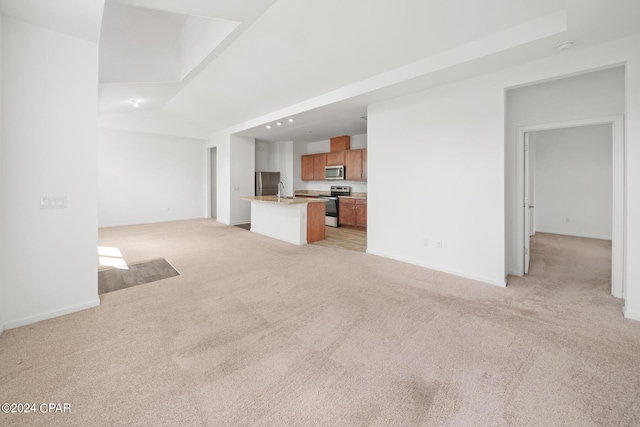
x=241, y=64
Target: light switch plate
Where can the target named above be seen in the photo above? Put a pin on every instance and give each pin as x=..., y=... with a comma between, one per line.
x=53, y=202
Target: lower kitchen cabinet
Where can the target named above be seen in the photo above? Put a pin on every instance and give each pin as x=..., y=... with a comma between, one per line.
x=353, y=213
x=361, y=213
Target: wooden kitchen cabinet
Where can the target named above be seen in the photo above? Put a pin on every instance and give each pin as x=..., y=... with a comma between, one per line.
x=361, y=213
x=316, y=222
x=312, y=167
x=353, y=165
x=319, y=162
x=347, y=212
x=352, y=213
x=340, y=143
x=307, y=167
x=335, y=158
x=364, y=164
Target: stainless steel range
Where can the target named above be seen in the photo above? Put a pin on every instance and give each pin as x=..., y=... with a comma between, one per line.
x=332, y=215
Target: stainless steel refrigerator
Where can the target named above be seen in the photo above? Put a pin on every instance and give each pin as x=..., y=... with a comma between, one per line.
x=267, y=183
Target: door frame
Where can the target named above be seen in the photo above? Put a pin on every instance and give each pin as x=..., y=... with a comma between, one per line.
x=618, y=256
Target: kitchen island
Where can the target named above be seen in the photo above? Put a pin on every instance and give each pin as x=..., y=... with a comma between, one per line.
x=298, y=220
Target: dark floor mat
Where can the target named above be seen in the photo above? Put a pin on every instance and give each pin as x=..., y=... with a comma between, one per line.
x=134, y=274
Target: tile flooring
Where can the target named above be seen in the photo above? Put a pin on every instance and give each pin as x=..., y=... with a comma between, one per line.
x=344, y=238
x=338, y=237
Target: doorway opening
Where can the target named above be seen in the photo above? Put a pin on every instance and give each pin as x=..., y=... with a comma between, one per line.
x=530, y=217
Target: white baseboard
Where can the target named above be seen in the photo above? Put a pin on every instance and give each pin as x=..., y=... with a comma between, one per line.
x=630, y=314
x=51, y=314
x=155, y=221
x=500, y=283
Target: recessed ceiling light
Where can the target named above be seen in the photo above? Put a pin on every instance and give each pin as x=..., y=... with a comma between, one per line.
x=290, y=120
x=279, y=123
x=565, y=46
x=268, y=126
x=135, y=103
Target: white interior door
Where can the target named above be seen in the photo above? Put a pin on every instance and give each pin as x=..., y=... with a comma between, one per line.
x=527, y=205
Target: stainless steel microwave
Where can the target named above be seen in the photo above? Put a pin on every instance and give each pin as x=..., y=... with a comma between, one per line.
x=334, y=172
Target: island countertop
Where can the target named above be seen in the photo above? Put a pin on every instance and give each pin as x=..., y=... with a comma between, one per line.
x=294, y=220
x=283, y=200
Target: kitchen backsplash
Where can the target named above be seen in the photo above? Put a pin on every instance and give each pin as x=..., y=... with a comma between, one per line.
x=356, y=187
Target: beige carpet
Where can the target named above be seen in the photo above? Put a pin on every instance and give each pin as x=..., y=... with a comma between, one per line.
x=257, y=332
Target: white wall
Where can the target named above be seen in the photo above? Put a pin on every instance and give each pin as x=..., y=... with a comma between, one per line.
x=277, y=157
x=263, y=156
x=3, y=297
x=632, y=238
x=285, y=166
x=242, y=167
x=574, y=181
x=222, y=140
x=235, y=176
x=440, y=180
x=155, y=122
x=49, y=141
x=590, y=95
x=150, y=178
x=324, y=146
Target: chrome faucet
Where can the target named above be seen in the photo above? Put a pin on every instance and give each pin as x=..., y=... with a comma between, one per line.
x=279, y=193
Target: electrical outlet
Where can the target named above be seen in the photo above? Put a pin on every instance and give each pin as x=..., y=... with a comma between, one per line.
x=439, y=244
x=567, y=219
x=425, y=242
x=236, y=188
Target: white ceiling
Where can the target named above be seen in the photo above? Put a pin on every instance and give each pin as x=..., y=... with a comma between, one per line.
x=78, y=18
x=150, y=50
x=323, y=62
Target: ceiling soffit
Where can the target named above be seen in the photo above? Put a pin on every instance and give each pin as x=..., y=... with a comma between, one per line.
x=139, y=45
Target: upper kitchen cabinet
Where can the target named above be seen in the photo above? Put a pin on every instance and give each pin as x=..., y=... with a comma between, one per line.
x=340, y=143
x=356, y=165
x=307, y=167
x=319, y=162
x=364, y=164
x=312, y=167
x=335, y=158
